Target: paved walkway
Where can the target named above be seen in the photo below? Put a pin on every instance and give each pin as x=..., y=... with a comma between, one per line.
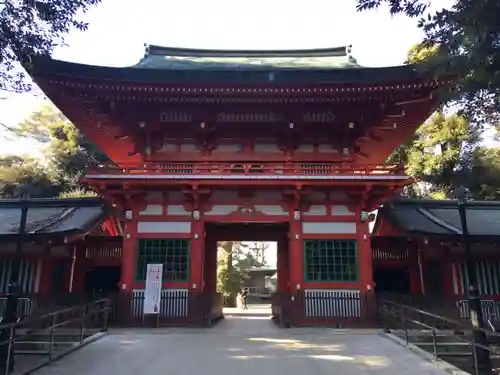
x=243, y=346
x=253, y=310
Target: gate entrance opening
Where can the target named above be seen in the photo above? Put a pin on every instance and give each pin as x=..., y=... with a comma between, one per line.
x=392, y=280
x=102, y=280
x=255, y=232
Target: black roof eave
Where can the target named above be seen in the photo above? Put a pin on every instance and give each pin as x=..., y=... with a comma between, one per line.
x=441, y=237
x=43, y=66
x=444, y=236
x=387, y=213
x=53, y=202
x=54, y=236
x=433, y=203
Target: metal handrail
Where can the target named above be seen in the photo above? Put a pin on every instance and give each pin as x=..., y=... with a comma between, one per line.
x=398, y=311
x=69, y=315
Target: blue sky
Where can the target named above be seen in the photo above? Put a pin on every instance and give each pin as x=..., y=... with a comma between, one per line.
x=118, y=30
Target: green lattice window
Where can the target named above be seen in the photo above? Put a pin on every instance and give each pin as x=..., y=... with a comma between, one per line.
x=172, y=253
x=330, y=260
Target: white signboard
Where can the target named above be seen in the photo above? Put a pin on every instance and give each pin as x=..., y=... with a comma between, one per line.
x=152, y=291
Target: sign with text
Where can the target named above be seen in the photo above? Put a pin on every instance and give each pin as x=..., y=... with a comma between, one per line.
x=152, y=290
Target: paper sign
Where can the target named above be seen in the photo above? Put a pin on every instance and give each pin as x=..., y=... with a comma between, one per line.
x=152, y=291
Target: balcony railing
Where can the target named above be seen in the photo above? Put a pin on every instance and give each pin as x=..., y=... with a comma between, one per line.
x=246, y=169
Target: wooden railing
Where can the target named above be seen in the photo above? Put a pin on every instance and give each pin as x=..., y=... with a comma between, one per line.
x=290, y=169
x=379, y=253
x=103, y=252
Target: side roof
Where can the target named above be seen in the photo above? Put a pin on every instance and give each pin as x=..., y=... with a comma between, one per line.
x=51, y=217
x=195, y=66
x=441, y=218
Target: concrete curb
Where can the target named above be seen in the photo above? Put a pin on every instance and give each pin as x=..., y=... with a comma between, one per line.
x=440, y=364
x=63, y=353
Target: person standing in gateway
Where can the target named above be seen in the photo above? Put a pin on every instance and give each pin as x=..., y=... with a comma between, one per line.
x=244, y=296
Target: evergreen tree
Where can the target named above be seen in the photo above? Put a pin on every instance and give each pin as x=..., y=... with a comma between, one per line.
x=34, y=27
x=465, y=40
x=68, y=155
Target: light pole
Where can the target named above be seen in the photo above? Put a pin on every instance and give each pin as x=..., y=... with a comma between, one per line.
x=474, y=302
x=10, y=313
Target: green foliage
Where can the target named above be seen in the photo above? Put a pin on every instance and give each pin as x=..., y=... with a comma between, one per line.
x=78, y=193
x=35, y=27
x=467, y=37
x=436, y=154
x=68, y=156
x=69, y=153
x=16, y=171
x=485, y=174
x=444, y=154
x=234, y=259
x=420, y=53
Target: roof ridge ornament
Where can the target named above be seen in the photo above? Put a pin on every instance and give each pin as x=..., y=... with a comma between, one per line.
x=151, y=49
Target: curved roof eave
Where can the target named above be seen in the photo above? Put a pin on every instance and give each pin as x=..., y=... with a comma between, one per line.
x=47, y=67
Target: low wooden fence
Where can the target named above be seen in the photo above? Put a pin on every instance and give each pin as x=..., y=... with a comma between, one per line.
x=340, y=309
x=348, y=308
x=177, y=307
x=357, y=309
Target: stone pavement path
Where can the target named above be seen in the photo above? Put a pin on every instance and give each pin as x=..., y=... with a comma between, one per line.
x=243, y=346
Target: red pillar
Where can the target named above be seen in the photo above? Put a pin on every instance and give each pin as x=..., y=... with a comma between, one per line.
x=81, y=267
x=415, y=281
x=197, y=254
x=283, y=265
x=128, y=256
x=365, y=257
x=447, y=273
x=296, y=251
x=210, y=264
x=46, y=276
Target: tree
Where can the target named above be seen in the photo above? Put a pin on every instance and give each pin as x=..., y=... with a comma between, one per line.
x=228, y=279
x=467, y=40
x=68, y=155
x=34, y=27
x=484, y=181
x=250, y=256
x=438, y=156
x=420, y=53
x=234, y=259
x=68, y=151
x=16, y=171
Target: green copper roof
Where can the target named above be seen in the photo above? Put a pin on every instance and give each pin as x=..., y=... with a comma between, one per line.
x=179, y=66
x=157, y=57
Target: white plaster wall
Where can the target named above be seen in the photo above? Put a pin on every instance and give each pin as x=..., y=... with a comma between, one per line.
x=338, y=210
x=170, y=227
x=177, y=209
x=152, y=209
x=220, y=209
x=328, y=228
x=271, y=210
x=316, y=210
